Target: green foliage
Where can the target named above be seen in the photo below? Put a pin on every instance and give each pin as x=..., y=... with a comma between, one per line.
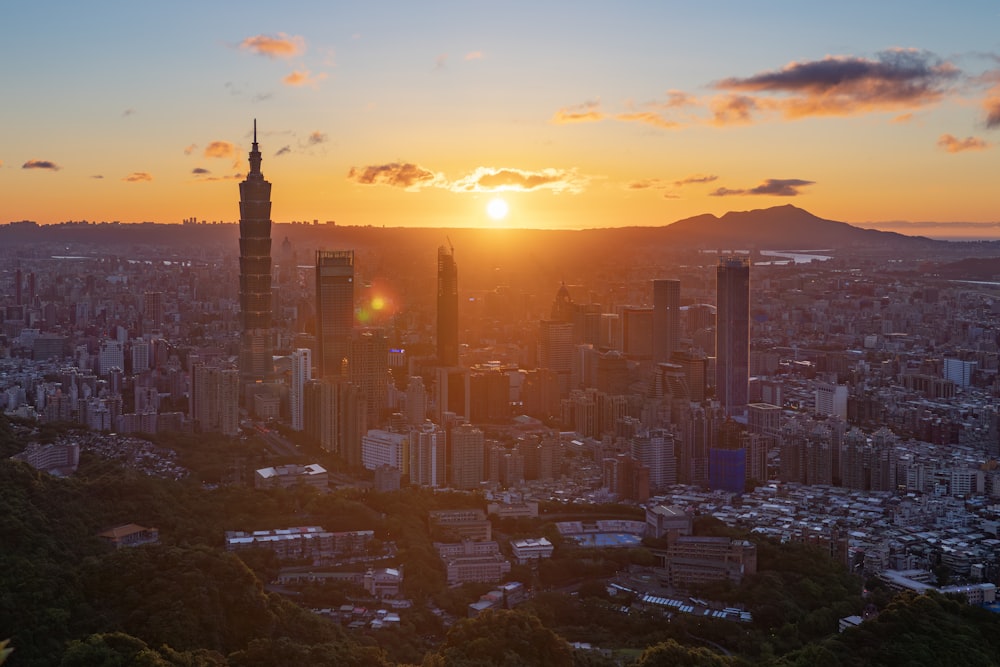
x=672, y=654
x=502, y=638
x=119, y=649
x=913, y=630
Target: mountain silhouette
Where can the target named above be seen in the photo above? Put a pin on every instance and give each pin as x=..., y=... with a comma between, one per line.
x=779, y=227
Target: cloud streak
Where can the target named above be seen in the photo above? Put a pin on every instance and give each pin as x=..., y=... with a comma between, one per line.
x=588, y=112
x=396, y=174
x=848, y=85
x=222, y=149
x=304, y=77
x=490, y=179
x=316, y=138
x=953, y=144
x=696, y=178
x=46, y=165
x=274, y=46
x=412, y=177
x=774, y=187
x=138, y=177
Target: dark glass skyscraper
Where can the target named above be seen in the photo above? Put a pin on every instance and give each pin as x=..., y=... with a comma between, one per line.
x=666, y=318
x=447, y=307
x=732, y=349
x=255, y=273
x=334, y=309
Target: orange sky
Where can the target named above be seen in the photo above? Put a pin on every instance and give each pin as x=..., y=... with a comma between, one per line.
x=414, y=116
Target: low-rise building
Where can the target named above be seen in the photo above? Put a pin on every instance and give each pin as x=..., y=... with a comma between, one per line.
x=530, y=549
x=287, y=476
x=690, y=561
x=130, y=535
x=311, y=543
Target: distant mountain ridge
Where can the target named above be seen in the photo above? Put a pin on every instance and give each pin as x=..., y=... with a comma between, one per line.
x=781, y=227
x=778, y=228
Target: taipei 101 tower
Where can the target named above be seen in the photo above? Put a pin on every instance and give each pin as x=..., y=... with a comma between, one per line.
x=255, y=274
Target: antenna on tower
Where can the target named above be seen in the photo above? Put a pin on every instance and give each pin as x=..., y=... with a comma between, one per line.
x=255, y=130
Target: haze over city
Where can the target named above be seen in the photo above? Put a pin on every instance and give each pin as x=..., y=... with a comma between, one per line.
x=575, y=116
x=569, y=335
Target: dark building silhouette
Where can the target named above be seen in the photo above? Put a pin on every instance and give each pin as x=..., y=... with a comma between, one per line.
x=666, y=318
x=334, y=309
x=447, y=307
x=732, y=348
x=255, y=273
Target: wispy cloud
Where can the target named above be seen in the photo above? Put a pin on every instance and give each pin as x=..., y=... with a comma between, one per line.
x=474, y=55
x=199, y=171
x=588, y=112
x=953, y=144
x=414, y=177
x=303, y=78
x=128, y=112
x=397, y=174
x=190, y=148
x=317, y=137
x=491, y=179
x=648, y=118
x=441, y=62
x=274, y=46
x=283, y=150
x=696, y=178
x=775, y=187
x=658, y=184
x=98, y=176
x=991, y=103
x=733, y=109
x=220, y=149
x=47, y=165
x=849, y=85
x=138, y=177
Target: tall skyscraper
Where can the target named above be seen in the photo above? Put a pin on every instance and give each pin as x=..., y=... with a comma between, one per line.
x=555, y=350
x=255, y=272
x=666, y=318
x=732, y=348
x=369, y=371
x=447, y=307
x=334, y=309
x=152, y=308
x=301, y=373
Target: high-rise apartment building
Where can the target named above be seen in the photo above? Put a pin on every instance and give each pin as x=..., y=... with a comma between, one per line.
x=447, y=307
x=369, y=371
x=215, y=399
x=466, y=451
x=555, y=350
x=255, y=273
x=301, y=373
x=427, y=455
x=152, y=308
x=666, y=318
x=111, y=354
x=732, y=349
x=334, y=309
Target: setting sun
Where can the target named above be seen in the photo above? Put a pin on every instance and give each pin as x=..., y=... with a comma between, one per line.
x=497, y=209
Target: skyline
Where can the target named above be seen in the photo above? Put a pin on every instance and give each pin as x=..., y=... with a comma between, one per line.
x=575, y=116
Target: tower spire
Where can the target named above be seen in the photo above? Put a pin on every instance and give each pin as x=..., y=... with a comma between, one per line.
x=255, y=157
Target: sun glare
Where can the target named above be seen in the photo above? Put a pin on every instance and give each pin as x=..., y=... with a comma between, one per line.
x=497, y=209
